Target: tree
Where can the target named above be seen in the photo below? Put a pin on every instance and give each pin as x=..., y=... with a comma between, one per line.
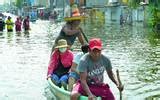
x=134, y=3
x=19, y=4
x=154, y=8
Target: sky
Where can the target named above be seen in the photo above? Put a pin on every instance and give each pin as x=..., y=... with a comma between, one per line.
x=2, y=1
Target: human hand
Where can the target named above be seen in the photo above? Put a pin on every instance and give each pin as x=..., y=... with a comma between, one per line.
x=91, y=97
x=120, y=87
x=48, y=76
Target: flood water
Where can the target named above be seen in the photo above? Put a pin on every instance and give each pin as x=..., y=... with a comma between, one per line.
x=135, y=51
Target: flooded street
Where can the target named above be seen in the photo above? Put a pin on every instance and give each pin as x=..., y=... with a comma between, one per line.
x=135, y=51
x=23, y=63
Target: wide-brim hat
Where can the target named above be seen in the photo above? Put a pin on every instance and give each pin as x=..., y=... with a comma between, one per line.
x=62, y=43
x=75, y=18
x=74, y=14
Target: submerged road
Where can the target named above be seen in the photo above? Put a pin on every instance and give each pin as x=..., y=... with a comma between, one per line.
x=135, y=51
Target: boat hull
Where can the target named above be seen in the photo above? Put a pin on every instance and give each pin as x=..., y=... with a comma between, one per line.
x=62, y=94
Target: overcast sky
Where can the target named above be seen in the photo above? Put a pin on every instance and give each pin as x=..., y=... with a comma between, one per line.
x=1, y=1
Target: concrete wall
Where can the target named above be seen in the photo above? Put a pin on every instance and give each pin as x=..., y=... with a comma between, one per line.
x=138, y=14
x=91, y=3
x=44, y=3
x=113, y=13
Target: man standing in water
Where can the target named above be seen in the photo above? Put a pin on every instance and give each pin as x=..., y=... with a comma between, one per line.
x=9, y=24
x=2, y=24
x=26, y=24
x=91, y=69
x=18, y=24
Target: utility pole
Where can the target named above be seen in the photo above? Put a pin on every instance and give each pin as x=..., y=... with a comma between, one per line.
x=63, y=7
x=51, y=4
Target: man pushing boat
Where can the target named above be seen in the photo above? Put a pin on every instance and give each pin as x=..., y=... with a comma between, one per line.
x=71, y=30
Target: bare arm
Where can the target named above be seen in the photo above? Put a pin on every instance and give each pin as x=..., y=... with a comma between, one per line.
x=83, y=77
x=80, y=38
x=73, y=67
x=112, y=76
x=115, y=80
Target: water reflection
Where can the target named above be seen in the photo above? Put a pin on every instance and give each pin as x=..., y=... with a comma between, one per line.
x=26, y=34
x=22, y=68
x=18, y=33
x=149, y=73
x=10, y=36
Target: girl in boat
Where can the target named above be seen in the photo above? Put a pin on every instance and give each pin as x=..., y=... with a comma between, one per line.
x=60, y=63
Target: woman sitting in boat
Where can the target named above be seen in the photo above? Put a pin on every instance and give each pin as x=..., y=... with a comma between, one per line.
x=91, y=68
x=60, y=63
x=74, y=74
x=71, y=30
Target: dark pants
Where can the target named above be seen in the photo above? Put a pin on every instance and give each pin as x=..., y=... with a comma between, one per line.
x=10, y=30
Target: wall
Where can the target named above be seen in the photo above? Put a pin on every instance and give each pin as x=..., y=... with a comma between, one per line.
x=113, y=13
x=91, y=3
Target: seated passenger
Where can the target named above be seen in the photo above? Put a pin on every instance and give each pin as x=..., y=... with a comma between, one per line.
x=60, y=63
x=91, y=70
x=74, y=74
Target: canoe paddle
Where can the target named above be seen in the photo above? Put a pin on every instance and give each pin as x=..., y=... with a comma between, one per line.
x=120, y=83
x=85, y=37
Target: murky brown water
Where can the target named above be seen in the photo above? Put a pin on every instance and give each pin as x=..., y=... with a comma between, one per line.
x=135, y=51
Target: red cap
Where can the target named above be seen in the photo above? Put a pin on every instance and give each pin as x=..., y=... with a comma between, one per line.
x=95, y=43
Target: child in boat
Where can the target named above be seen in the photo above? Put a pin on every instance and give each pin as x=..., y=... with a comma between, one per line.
x=60, y=63
x=91, y=69
x=74, y=74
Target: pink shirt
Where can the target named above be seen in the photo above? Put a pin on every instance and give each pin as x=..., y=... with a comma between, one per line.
x=66, y=59
x=18, y=24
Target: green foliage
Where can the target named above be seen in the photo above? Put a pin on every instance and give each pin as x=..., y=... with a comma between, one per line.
x=134, y=3
x=154, y=3
x=19, y=3
x=155, y=15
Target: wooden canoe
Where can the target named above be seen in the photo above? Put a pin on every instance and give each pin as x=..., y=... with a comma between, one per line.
x=62, y=94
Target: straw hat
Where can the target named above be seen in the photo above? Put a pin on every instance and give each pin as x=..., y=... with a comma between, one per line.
x=74, y=14
x=61, y=43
